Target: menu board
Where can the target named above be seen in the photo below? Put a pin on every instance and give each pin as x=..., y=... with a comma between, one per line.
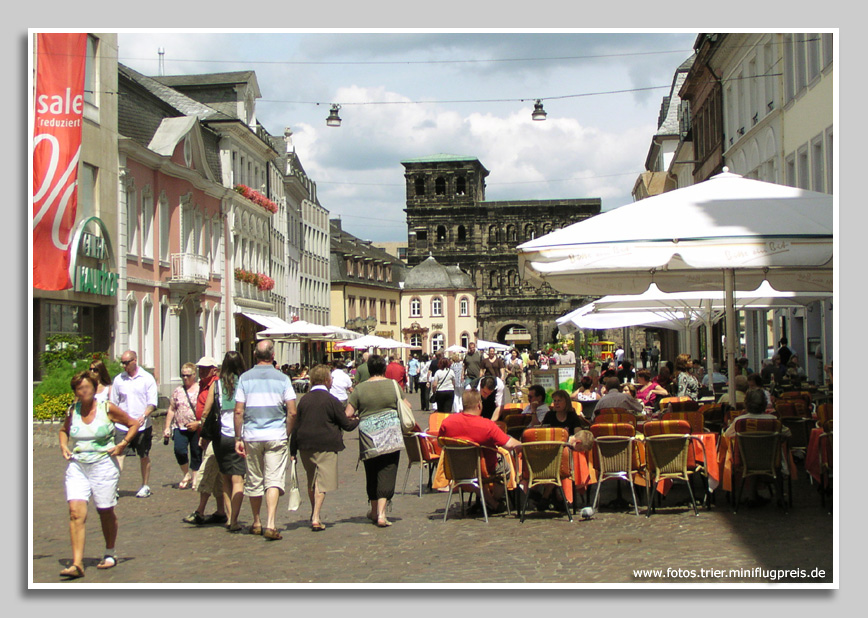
x=562, y=377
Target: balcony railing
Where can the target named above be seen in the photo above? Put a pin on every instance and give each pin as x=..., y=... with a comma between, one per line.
x=190, y=267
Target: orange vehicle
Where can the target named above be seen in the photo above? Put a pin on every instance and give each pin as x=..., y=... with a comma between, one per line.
x=607, y=349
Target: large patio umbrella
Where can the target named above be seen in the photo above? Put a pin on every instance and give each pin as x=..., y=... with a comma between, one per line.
x=678, y=310
x=727, y=233
x=301, y=330
x=374, y=341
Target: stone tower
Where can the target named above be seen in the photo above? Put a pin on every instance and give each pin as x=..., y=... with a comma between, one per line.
x=449, y=218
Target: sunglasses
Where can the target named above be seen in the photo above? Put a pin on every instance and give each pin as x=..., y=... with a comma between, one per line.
x=187, y=375
x=125, y=363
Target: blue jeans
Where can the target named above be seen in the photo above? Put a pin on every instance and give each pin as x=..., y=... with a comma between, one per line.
x=183, y=441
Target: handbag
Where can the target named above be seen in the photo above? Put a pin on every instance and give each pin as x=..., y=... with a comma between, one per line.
x=432, y=396
x=294, y=493
x=380, y=433
x=405, y=413
x=211, y=427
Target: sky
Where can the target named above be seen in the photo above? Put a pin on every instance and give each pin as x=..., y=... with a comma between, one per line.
x=406, y=95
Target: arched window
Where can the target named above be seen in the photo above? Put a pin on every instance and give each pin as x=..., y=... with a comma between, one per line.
x=415, y=308
x=510, y=277
x=436, y=342
x=416, y=340
x=493, y=280
x=529, y=232
x=437, y=307
x=465, y=340
x=464, y=307
x=441, y=233
x=462, y=234
x=492, y=234
x=461, y=186
x=510, y=233
x=420, y=185
x=440, y=186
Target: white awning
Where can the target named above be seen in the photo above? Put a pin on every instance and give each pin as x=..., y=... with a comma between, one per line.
x=268, y=321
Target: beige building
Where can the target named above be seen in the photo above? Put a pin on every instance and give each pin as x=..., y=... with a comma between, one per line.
x=365, y=285
x=439, y=307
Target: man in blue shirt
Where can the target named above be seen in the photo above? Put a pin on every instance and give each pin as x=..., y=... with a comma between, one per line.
x=413, y=372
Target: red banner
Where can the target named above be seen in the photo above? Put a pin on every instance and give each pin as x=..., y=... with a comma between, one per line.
x=56, y=149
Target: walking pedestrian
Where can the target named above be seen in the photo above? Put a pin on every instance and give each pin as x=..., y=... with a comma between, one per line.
x=134, y=391
x=264, y=417
x=87, y=443
x=180, y=425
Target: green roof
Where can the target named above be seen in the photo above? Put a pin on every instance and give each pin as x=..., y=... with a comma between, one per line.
x=440, y=157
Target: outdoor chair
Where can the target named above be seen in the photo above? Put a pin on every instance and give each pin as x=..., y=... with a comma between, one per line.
x=608, y=416
x=516, y=423
x=543, y=463
x=714, y=415
x=825, y=457
x=463, y=466
x=435, y=419
x=671, y=400
x=696, y=420
x=758, y=454
x=801, y=433
x=668, y=457
x=617, y=457
x=533, y=435
x=824, y=413
x=420, y=452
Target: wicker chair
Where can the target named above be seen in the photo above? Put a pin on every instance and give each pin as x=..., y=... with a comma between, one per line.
x=617, y=456
x=608, y=416
x=667, y=449
x=758, y=453
x=543, y=463
x=824, y=413
x=696, y=420
x=666, y=401
x=420, y=452
x=463, y=466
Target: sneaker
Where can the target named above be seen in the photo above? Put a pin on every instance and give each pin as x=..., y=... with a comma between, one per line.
x=215, y=518
x=144, y=492
x=194, y=518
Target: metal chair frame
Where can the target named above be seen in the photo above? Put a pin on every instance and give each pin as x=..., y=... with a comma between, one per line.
x=825, y=467
x=415, y=455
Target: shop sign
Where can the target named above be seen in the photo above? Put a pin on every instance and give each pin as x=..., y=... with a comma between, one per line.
x=92, y=259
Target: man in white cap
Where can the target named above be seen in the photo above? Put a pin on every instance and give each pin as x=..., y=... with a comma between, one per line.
x=134, y=391
x=208, y=482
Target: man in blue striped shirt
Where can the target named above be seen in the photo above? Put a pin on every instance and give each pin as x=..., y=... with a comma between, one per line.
x=264, y=417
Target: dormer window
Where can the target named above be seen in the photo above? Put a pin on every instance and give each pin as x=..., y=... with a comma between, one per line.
x=188, y=151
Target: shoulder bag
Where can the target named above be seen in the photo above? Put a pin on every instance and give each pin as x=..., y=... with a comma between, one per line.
x=293, y=492
x=211, y=426
x=432, y=396
x=405, y=412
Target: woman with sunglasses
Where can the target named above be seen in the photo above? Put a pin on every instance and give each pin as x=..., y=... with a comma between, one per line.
x=104, y=382
x=182, y=414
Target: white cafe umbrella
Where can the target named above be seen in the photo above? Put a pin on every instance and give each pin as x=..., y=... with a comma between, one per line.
x=374, y=341
x=727, y=233
x=456, y=348
x=677, y=310
x=484, y=345
x=302, y=330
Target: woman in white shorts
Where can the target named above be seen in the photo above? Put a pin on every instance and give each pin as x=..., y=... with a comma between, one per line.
x=87, y=442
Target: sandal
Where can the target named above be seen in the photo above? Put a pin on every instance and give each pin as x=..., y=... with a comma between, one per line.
x=73, y=572
x=257, y=530
x=317, y=527
x=236, y=528
x=108, y=562
x=272, y=534
x=184, y=484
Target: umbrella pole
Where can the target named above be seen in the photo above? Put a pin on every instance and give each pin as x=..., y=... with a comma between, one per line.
x=731, y=331
x=709, y=346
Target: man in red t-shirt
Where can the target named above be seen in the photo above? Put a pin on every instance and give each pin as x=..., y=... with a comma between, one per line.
x=471, y=425
x=395, y=371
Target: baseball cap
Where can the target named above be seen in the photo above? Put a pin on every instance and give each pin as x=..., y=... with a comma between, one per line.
x=207, y=361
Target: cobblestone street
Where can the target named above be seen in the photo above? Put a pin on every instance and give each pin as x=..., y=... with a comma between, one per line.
x=155, y=547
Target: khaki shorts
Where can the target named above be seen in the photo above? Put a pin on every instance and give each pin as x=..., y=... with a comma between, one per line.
x=209, y=480
x=266, y=466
